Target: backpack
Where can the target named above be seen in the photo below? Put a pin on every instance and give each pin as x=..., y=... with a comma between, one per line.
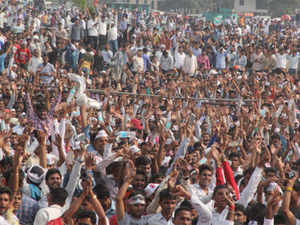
x=58, y=221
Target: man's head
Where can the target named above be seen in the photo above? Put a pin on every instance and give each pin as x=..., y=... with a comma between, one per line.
x=167, y=201
x=53, y=178
x=85, y=217
x=240, y=214
x=18, y=200
x=100, y=141
x=42, y=111
x=221, y=192
x=143, y=164
x=136, y=204
x=5, y=199
x=140, y=53
x=234, y=158
x=57, y=196
x=139, y=181
x=205, y=175
x=183, y=216
x=270, y=173
x=103, y=196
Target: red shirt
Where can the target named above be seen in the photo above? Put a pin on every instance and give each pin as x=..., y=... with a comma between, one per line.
x=22, y=56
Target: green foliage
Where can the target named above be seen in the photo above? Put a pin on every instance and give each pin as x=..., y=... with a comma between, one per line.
x=81, y=3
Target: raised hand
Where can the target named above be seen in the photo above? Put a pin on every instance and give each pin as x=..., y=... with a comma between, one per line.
x=130, y=171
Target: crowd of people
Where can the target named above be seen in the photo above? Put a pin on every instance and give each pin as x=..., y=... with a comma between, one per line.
x=193, y=122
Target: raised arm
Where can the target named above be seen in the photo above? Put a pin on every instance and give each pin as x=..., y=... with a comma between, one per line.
x=287, y=200
x=120, y=206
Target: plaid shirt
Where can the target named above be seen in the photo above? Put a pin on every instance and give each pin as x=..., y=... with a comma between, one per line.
x=37, y=122
x=27, y=211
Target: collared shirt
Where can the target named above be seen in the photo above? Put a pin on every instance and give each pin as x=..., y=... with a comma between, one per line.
x=166, y=63
x=70, y=188
x=203, y=62
x=221, y=58
x=102, y=27
x=293, y=61
x=107, y=56
x=92, y=28
x=10, y=217
x=281, y=61
x=190, y=64
x=37, y=122
x=179, y=59
x=112, y=34
x=47, y=214
x=129, y=220
x=158, y=219
x=3, y=221
x=27, y=211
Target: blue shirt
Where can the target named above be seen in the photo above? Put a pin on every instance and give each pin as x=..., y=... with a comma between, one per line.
x=147, y=62
x=220, y=58
x=27, y=211
x=123, y=25
x=2, y=59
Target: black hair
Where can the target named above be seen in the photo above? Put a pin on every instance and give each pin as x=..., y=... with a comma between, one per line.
x=165, y=194
x=101, y=191
x=270, y=170
x=81, y=214
x=113, y=166
x=197, y=145
x=275, y=136
x=218, y=187
x=6, y=162
x=204, y=167
x=239, y=207
x=142, y=161
x=257, y=212
x=280, y=219
x=180, y=209
x=59, y=196
x=8, y=174
x=186, y=204
x=233, y=155
x=141, y=173
x=6, y=190
x=51, y=172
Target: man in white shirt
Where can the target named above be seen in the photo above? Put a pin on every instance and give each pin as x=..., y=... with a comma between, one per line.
x=56, y=201
x=293, y=60
x=112, y=37
x=166, y=62
x=179, y=58
x=107, y=54
x=35, y=61
x=167, y=201
x=281, y=58
x=190, y=64
x=138, y=62
x=92, y=25
x=102, y=27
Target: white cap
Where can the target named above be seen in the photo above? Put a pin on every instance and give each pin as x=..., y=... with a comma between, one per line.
x=51, y=159
x=213, y=72
x=100, y=134
x=134, y=149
